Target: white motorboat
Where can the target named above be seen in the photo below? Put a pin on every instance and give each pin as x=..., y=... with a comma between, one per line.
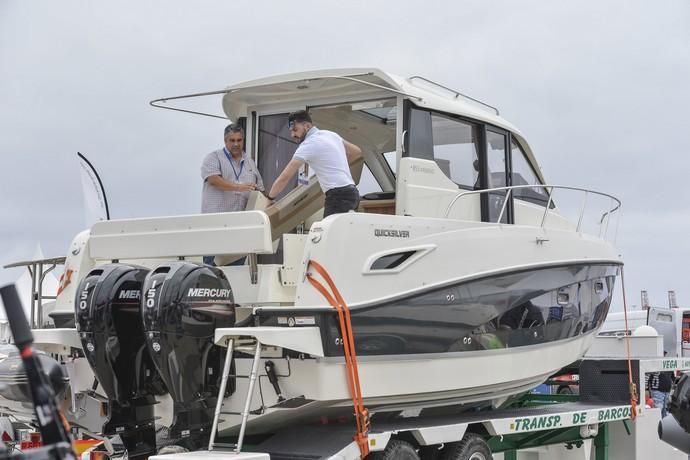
x=467, y=280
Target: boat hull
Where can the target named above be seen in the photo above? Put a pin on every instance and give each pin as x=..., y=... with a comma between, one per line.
x=459, y=381
x=466, y=344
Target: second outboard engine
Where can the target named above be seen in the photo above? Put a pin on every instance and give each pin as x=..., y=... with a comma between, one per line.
x=183, y=304
x=108, y=319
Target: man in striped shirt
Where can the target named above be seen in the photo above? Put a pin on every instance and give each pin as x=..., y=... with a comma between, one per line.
x=229, y=174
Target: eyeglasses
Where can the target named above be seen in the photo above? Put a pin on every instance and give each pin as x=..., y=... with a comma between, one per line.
x=291, y=125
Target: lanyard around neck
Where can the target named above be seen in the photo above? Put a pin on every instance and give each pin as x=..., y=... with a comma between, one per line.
x=237, y=174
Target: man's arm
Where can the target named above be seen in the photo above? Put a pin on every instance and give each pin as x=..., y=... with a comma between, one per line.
x=352, y=151
x=259, y=180
x=287, y=174
x=222, y=184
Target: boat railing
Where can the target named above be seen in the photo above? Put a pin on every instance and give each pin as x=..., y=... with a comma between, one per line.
x=603, y=215
x=455, y=92
x=38, y=269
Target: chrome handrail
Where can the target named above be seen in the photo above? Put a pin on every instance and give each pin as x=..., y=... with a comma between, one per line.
x=615, y=202
x=451, y=90
x=157, y=102
x=38, y=273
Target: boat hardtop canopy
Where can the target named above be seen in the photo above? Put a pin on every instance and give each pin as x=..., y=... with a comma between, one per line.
x=360, y=84
x=338, y=83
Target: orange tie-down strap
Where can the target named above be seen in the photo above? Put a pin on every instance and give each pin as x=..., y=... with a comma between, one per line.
x=337, y=302
x=631, y=384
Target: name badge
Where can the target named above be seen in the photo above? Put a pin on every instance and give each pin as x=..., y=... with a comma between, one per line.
x=303, y=175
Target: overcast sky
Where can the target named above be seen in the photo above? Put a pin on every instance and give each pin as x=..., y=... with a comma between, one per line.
x=601, y=91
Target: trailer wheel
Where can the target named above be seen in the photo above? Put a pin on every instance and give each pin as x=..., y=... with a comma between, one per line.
x=565, y=390
x=472, y=447
x=395, y=450
x=172, y=449
x=430, y=452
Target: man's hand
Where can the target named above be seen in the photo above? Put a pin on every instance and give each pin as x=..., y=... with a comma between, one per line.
x=245, y=187
x=222, y=184
x=282, y=180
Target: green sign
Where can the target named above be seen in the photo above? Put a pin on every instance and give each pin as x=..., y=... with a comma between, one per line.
x=568, y=419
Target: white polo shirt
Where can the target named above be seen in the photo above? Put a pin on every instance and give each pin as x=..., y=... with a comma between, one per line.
x=324, y=152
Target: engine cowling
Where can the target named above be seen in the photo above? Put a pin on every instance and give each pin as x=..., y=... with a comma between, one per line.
x=108, y=319
x=110, y=327
x=183, y=304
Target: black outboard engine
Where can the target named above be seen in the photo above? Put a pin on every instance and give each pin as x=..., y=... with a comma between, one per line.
x=183, y=304
x=108, y=318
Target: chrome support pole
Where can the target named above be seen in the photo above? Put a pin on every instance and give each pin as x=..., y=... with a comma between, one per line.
x=250, y=393
x=32, y=271
x=546, y=210
x=39, y=295
x=253, y=268
x=618, y=221
x=221, y=393
x=608, y=219
x=505, y=204
x=582, y=211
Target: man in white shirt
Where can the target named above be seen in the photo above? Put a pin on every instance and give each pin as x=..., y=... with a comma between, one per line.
x=329, y=156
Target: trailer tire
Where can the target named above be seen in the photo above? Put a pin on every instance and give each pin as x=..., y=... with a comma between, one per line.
x=395, y=450
x=472, y=447
x=565, y=390
x=430, y=452
x=172, y=449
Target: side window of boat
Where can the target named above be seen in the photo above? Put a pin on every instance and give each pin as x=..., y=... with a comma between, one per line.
x=451, y=143
x=421, y=142
x=367, y=182
x=455, y=150
x=496, y=158
x=523, y=174
x=496, y=161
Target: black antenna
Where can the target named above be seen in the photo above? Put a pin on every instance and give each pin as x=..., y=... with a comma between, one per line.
x=100, y=183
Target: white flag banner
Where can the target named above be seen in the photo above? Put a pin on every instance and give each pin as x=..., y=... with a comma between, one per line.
x=95, y=202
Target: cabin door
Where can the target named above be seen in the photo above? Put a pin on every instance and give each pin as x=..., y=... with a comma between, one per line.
x=497, y=167
x=274, y=149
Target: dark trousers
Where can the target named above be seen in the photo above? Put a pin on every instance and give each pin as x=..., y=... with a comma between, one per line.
x=341, y=199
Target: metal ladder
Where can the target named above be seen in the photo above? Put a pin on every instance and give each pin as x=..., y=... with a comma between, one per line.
x=221, y=393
